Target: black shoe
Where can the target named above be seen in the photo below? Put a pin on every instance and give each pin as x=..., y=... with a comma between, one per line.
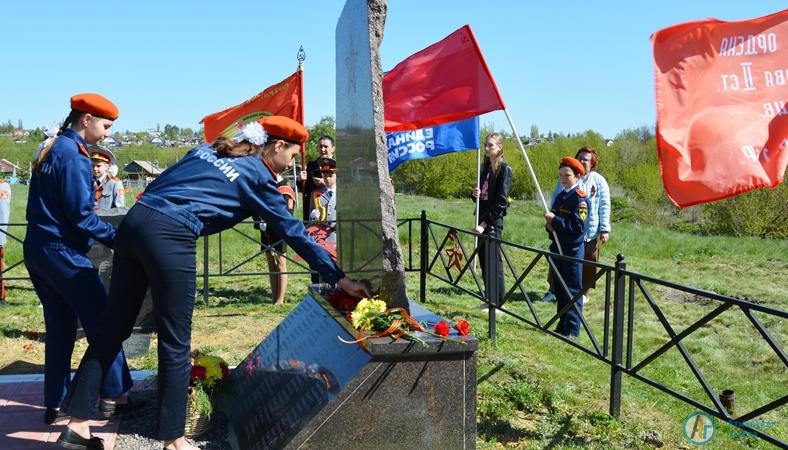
x=53, y=415
x=108, y=409
x=72, y=440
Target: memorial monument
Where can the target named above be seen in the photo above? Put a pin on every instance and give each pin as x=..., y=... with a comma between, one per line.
x=303, y=387
x=368, y=245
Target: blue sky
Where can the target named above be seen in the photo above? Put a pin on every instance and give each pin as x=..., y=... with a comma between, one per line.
x=565, y=66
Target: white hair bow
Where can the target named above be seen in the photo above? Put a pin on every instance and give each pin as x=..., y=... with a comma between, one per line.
x=253, y=133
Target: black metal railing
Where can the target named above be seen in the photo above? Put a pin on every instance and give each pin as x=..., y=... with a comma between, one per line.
x=623, y=291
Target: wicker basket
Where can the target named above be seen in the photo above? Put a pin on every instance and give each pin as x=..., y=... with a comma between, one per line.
x=197, y=422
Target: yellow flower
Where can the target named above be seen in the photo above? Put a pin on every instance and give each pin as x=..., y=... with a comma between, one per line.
x=366, y=310
x=213, y=369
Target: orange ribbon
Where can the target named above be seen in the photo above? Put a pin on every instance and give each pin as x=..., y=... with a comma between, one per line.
x=394, y=330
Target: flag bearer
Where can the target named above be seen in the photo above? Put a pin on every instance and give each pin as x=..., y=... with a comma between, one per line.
x=212, y=188
x=61, y=226
x=567, y=217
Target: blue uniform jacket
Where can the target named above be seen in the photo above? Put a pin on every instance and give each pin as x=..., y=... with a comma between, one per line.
x=208, y=193
x=61, y=199
x=571, y=212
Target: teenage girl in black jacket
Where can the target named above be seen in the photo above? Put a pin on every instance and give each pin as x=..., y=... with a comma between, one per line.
x=493, y=197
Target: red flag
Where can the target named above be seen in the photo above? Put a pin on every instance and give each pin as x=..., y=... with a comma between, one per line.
x=446, y=82
x=722, y=121
x=282, y=99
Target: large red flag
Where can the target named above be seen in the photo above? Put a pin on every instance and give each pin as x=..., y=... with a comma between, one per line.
x=282, y=99
x=446, y=82
x=722, y=121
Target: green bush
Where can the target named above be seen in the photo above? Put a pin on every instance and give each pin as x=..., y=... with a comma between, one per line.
x=759, y=213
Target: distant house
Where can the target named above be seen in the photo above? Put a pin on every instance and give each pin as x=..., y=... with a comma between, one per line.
x=110, y=142
x=7, y=168
x=142, y=170
x=157, y=141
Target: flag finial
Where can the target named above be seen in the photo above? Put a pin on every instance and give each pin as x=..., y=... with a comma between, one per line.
x=301, y=56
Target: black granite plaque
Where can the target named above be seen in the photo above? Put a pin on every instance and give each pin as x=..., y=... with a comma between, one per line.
x=289, y=378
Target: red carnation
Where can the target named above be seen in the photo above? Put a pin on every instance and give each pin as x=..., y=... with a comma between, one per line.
x=463, y=327
x=198, y=373
x=442, y=328
x=225, y=371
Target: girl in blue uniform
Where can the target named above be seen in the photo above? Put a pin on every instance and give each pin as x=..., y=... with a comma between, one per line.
x=61, y=226
x=211, y=189
x=567, y=218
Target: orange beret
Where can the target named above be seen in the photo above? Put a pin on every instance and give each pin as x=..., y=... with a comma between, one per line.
x=284, y=128
x=573, y=164
x=95, y=104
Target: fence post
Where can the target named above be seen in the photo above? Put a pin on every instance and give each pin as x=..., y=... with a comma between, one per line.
x=618, y=336
x=206, y=267
x=491, y=280
x=423, y=257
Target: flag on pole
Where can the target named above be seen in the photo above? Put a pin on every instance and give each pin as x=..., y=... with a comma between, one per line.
x=722, y=120
x=282, y=99
x=432, y=141
x=446, y=82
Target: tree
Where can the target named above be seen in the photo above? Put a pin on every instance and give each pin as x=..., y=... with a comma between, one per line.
x=534, y=132
x=6, y=127
x=171, y=132
x=186, y=134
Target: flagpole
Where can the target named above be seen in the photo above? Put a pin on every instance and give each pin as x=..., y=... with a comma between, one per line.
x=295, y=187
x=533, y=175
x=478, y=200
x=301, y=57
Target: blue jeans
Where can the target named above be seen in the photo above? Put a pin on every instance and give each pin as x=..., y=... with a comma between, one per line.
x=151, y=249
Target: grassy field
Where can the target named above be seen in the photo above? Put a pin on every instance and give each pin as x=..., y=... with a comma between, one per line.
x=541, y=393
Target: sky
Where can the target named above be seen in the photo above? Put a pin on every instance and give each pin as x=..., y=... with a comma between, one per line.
x=565, y=66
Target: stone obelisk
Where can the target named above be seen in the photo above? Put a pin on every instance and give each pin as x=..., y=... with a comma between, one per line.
x=368, y=244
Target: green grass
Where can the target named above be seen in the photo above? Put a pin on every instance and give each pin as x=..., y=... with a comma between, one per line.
x=540, y=392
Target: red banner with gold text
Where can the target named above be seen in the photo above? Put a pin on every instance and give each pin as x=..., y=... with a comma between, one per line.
x=282, y=99
x=722, y=121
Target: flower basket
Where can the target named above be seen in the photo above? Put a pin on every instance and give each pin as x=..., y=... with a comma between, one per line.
x=198, y=420
x=207, y=373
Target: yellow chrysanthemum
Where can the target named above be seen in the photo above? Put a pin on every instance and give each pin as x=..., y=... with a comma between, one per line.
x=213, y=368
x=366, y=310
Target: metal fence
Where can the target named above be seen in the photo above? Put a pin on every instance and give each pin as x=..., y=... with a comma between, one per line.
x=449, y=254
x=625, y=295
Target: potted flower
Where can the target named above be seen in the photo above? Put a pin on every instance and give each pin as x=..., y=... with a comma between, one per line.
x=207, y=373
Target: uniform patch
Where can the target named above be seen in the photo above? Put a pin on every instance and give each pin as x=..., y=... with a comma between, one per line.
x=582, y=210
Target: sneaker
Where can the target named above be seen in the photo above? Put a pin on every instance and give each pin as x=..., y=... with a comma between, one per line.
x=549, y=297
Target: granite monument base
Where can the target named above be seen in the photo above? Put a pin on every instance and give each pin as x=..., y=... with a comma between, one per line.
x=304, y=388
x=139, y=342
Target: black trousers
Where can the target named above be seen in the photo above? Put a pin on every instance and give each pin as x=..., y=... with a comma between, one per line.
x=493, y=232
x=151, y=249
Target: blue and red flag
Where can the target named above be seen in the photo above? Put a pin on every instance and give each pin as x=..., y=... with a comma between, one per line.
x=432, y=141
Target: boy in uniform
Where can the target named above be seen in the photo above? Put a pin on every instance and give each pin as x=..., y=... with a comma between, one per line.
x=109, y=189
